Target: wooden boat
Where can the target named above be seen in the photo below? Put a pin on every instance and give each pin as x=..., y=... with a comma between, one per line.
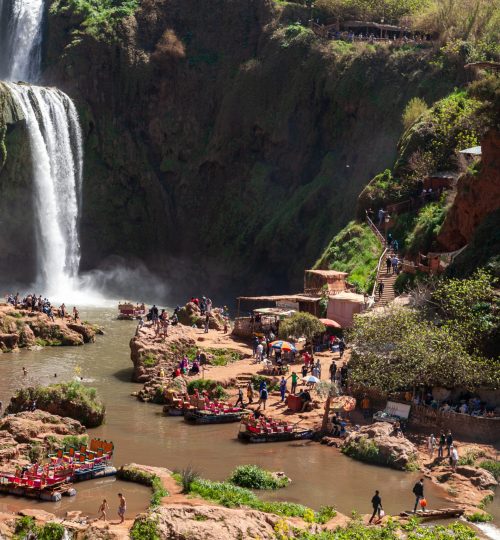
x=283, y=436
x=208, y=417
x=128, y=311
x=172, y=410
x=441, y=513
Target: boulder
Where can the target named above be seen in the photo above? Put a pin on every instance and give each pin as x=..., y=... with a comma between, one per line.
x=376, y=444
x=87, y=332
x=183, y=522
x=9, y=341
x=480, y=478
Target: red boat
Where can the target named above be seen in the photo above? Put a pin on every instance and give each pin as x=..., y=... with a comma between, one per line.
x=129, y=311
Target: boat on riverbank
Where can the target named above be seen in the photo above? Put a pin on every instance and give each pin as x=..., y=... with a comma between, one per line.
x=209, y=417
x=440, y=513
x=266, y=430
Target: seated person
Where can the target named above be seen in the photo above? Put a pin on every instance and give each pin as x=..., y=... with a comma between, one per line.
x=305, y=396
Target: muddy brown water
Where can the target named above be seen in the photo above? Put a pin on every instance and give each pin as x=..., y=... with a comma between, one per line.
x=320, y=475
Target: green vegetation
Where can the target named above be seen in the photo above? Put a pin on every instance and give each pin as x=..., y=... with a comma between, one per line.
x=356, y=530
x=470, y=457
x=271, y=382
x=426, y=228
x=301, y=324
x=98, y=18
x=216, y=357
x=26, y=527
x=145, y=528
x=356, y=250
x=149, y=360
x=254, y=477
x=71, y=399
x=491, y=466
x=231, y=496
x=485, y=501
x=479, y=517
x=436, y=343
x=363, y=450
x=414, y=109
x=213, y=387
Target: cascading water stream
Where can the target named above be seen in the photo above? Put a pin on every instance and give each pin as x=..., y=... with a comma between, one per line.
x=57, y=158
x=20, y=39
x=56, y=147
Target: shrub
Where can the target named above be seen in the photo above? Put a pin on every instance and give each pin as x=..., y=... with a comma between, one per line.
x=253, y=477
x=272, y=383
x=427, y=226
x=364, y=450
x=188, y=476
x=492, y=466
x=149, y=360
x=414, y=109
x=145, y=528
x=51, y=531
x=479, y=517
x=485, y=501
x=325, y=514
x=213, y=387
x=470, y=457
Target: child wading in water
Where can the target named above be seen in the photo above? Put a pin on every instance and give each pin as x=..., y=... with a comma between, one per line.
x=102, y=510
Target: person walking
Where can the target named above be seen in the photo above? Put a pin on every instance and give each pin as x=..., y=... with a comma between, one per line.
x=283, y=389
x=449, y=442
x=388, y=264
x=240, y=398
x=122, y=508
x=418, y=491
x=333, y=371
x=377, y=505
x=442, y=442
x=431, y=444
x=380, y=289
x=102, y=510
x=263, y=397
x=341, y=347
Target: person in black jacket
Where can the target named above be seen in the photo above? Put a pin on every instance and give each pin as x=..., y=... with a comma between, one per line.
x=418, y=491
x=377, y=505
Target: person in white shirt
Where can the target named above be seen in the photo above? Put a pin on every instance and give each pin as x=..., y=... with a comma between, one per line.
x=454, y=457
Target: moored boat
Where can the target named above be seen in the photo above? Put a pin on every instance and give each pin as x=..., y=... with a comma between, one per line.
x=440, y=513
x=266, y=437
x=127, y=311
x=210, y=417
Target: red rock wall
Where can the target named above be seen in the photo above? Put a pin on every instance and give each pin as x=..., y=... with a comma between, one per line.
x=477, y=196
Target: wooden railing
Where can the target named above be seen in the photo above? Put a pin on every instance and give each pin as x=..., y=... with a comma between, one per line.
x=374, y=290
x=376, y=230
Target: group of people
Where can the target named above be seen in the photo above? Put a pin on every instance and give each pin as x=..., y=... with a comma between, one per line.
x=42, y=305
x=464, y=404
x=418, y=492
x=104, y=508
x=444, y=441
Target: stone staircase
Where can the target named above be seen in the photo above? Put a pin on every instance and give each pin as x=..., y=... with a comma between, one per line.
x=388, y=280
x=243, y=379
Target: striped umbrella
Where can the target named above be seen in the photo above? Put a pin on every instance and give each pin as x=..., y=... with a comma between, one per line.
x=283, y=345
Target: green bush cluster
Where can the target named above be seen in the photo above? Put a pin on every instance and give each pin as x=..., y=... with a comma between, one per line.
x=254, y=477
x=213, y=387
x=231, y=496
x=145, y=528
x=272, y=383
x=70, y=399
x=479, y=517
x=131, y=474
x=363, y=450
x=26, y=527
x=99, y=18
x=492, y=466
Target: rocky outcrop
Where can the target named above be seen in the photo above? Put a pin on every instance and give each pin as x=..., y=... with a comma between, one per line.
x=72, y=400
x=479, y=477
x=24, y=328
x=377, y=444
x=478, y=194
x=190, y=315
x=184, y=522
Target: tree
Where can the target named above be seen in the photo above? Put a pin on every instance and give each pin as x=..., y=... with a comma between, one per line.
x=399, y=349
x=301, y=324
x=328, y=390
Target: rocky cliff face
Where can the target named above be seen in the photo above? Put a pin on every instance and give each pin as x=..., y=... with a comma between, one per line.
x=224, y=146
x=478, y=195
x=17, y=233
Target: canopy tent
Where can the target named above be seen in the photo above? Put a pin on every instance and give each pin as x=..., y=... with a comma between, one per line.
x=331, y=323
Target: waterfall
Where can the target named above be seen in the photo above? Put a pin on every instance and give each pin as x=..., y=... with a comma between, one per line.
x=57, y=160
x=20, y=39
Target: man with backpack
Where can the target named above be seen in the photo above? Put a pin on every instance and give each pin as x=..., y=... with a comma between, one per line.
x=418, y=491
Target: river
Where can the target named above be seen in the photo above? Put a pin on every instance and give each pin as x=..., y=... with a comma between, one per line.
x=320, y=475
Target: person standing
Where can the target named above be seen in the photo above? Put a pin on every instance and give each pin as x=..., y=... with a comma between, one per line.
x=283, y=389
x=454, y=457
x=255, y=344
x=294, y=378
x=260, y=352
x=418, y=491
x=431, y=444
x=207, y=322
x=442, y=442
x=122, y=508
x=449, y=442
x=341, y=347
x=333, y=371
x=388, y=264
x=365, y=406
x=377, y=505
x=250, y=392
